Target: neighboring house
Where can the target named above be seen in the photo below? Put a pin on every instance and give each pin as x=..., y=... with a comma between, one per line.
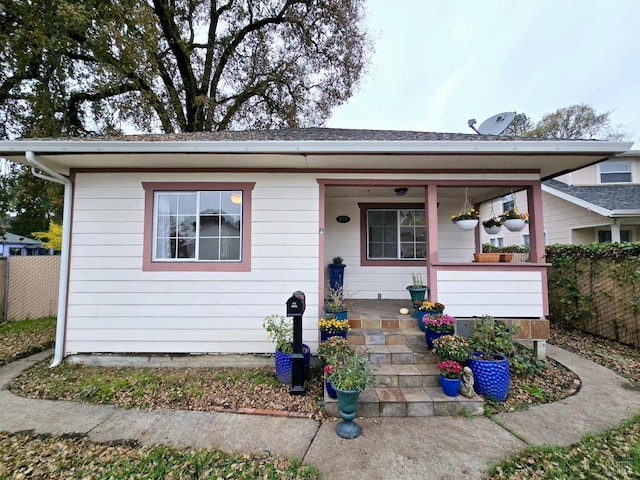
x=184, y=243
x=11, y=244
x=598, y=203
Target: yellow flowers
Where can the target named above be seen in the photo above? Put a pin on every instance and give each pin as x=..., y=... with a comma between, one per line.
x=472, y=214
x=333, y=325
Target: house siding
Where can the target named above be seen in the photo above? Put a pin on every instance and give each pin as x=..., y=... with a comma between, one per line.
x=116, y=307
x=489, y=292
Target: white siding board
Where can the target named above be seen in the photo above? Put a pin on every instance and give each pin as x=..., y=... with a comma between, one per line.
x=169, y=347
x=499, y=293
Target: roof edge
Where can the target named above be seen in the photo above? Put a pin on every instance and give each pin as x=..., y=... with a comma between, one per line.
x=60, y=146
x=577, y=201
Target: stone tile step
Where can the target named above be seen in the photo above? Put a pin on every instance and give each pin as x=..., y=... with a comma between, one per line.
x=410, y=402
x=394, y=336
x=412, y=348
x=406, y=376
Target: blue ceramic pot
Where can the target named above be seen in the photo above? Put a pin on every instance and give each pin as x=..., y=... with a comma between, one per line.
x=450, y=386
x=324, y=336
x=491, y=377
x=420, y=314
x=283, y=364
x=330, y=390
x=431, y=335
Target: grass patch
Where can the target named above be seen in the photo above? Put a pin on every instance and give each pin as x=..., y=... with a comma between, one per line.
x=612, y=454
x=201, y=389
x=22, y=338
x=46, y=457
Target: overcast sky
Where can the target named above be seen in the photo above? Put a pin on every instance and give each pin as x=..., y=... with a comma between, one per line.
x=438, y=63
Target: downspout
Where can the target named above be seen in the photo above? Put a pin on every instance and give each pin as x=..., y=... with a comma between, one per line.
x=64, y=254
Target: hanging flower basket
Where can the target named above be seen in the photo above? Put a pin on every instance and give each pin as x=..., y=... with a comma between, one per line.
x=492, y=225
x=513, y=220
x=514, y=224
x=468, y=224
x=468, y=218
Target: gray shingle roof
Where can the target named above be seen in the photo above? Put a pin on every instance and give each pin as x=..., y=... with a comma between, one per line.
x=611, y=197
x=317, y=134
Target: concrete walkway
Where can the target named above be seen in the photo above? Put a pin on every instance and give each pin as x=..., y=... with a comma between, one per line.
x=389, y=448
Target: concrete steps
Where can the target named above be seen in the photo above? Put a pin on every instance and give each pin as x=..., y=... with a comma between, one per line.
x=407, y=380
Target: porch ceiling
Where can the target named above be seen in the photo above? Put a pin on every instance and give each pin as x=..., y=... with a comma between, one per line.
x=417, y=194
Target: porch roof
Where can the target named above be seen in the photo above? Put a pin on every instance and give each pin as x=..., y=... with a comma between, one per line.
x=318, y=149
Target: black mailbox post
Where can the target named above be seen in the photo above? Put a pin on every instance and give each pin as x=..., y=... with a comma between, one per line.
x=295, y=308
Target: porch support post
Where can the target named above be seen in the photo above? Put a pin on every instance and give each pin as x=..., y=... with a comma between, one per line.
x=431, y=209
x=536, y=224
x=615, y=230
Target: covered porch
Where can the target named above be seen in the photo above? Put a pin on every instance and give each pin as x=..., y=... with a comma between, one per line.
x=428, y=244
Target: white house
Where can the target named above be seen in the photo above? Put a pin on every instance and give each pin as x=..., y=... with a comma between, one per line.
x=184, y=243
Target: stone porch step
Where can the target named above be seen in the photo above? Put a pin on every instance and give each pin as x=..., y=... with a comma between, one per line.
x=409, y=402
x=407, y=379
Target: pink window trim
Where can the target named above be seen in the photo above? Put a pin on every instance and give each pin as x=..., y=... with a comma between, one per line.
x=364, y=261
x=148, y=265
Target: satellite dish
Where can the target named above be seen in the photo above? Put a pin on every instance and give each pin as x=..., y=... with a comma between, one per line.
x=493, y=125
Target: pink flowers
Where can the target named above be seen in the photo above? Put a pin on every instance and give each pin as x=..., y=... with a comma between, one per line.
x=327, y=369
x=439, y=323
x=450, y=369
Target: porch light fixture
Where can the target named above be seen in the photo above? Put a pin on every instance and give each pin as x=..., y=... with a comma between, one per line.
x=401, y=191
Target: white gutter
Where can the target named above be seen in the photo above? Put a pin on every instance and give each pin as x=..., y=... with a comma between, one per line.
x=64, y=254
x=326, y=146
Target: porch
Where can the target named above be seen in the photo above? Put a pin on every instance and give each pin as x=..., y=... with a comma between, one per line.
x=405, y=371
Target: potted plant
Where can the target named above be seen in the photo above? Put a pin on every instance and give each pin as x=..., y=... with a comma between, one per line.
x=450, y=373
x=453, y=347
x=492, y=225
x=336, y=273
x=427, y=307
x=417, y=289
x=349, y=376
x=333, y=351
x=437, y=326
x=330, y=326
x=336, y=303
x=492, y=344
x=466, y=220
x=280, y=330
x=513, y=220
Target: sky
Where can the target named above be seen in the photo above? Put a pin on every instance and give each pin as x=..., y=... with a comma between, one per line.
x=438, y=63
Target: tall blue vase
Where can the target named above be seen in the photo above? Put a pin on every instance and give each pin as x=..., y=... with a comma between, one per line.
x=348, y=404
x=336, y=275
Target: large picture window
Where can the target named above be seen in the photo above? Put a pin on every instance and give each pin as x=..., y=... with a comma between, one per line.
x=197, y=226
x=393, y=234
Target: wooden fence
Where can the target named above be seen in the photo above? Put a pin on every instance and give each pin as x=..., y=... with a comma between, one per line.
x=29, y=286
x=600, y=296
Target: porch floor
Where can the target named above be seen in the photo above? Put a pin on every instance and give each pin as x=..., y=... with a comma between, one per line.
x=407, y=380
